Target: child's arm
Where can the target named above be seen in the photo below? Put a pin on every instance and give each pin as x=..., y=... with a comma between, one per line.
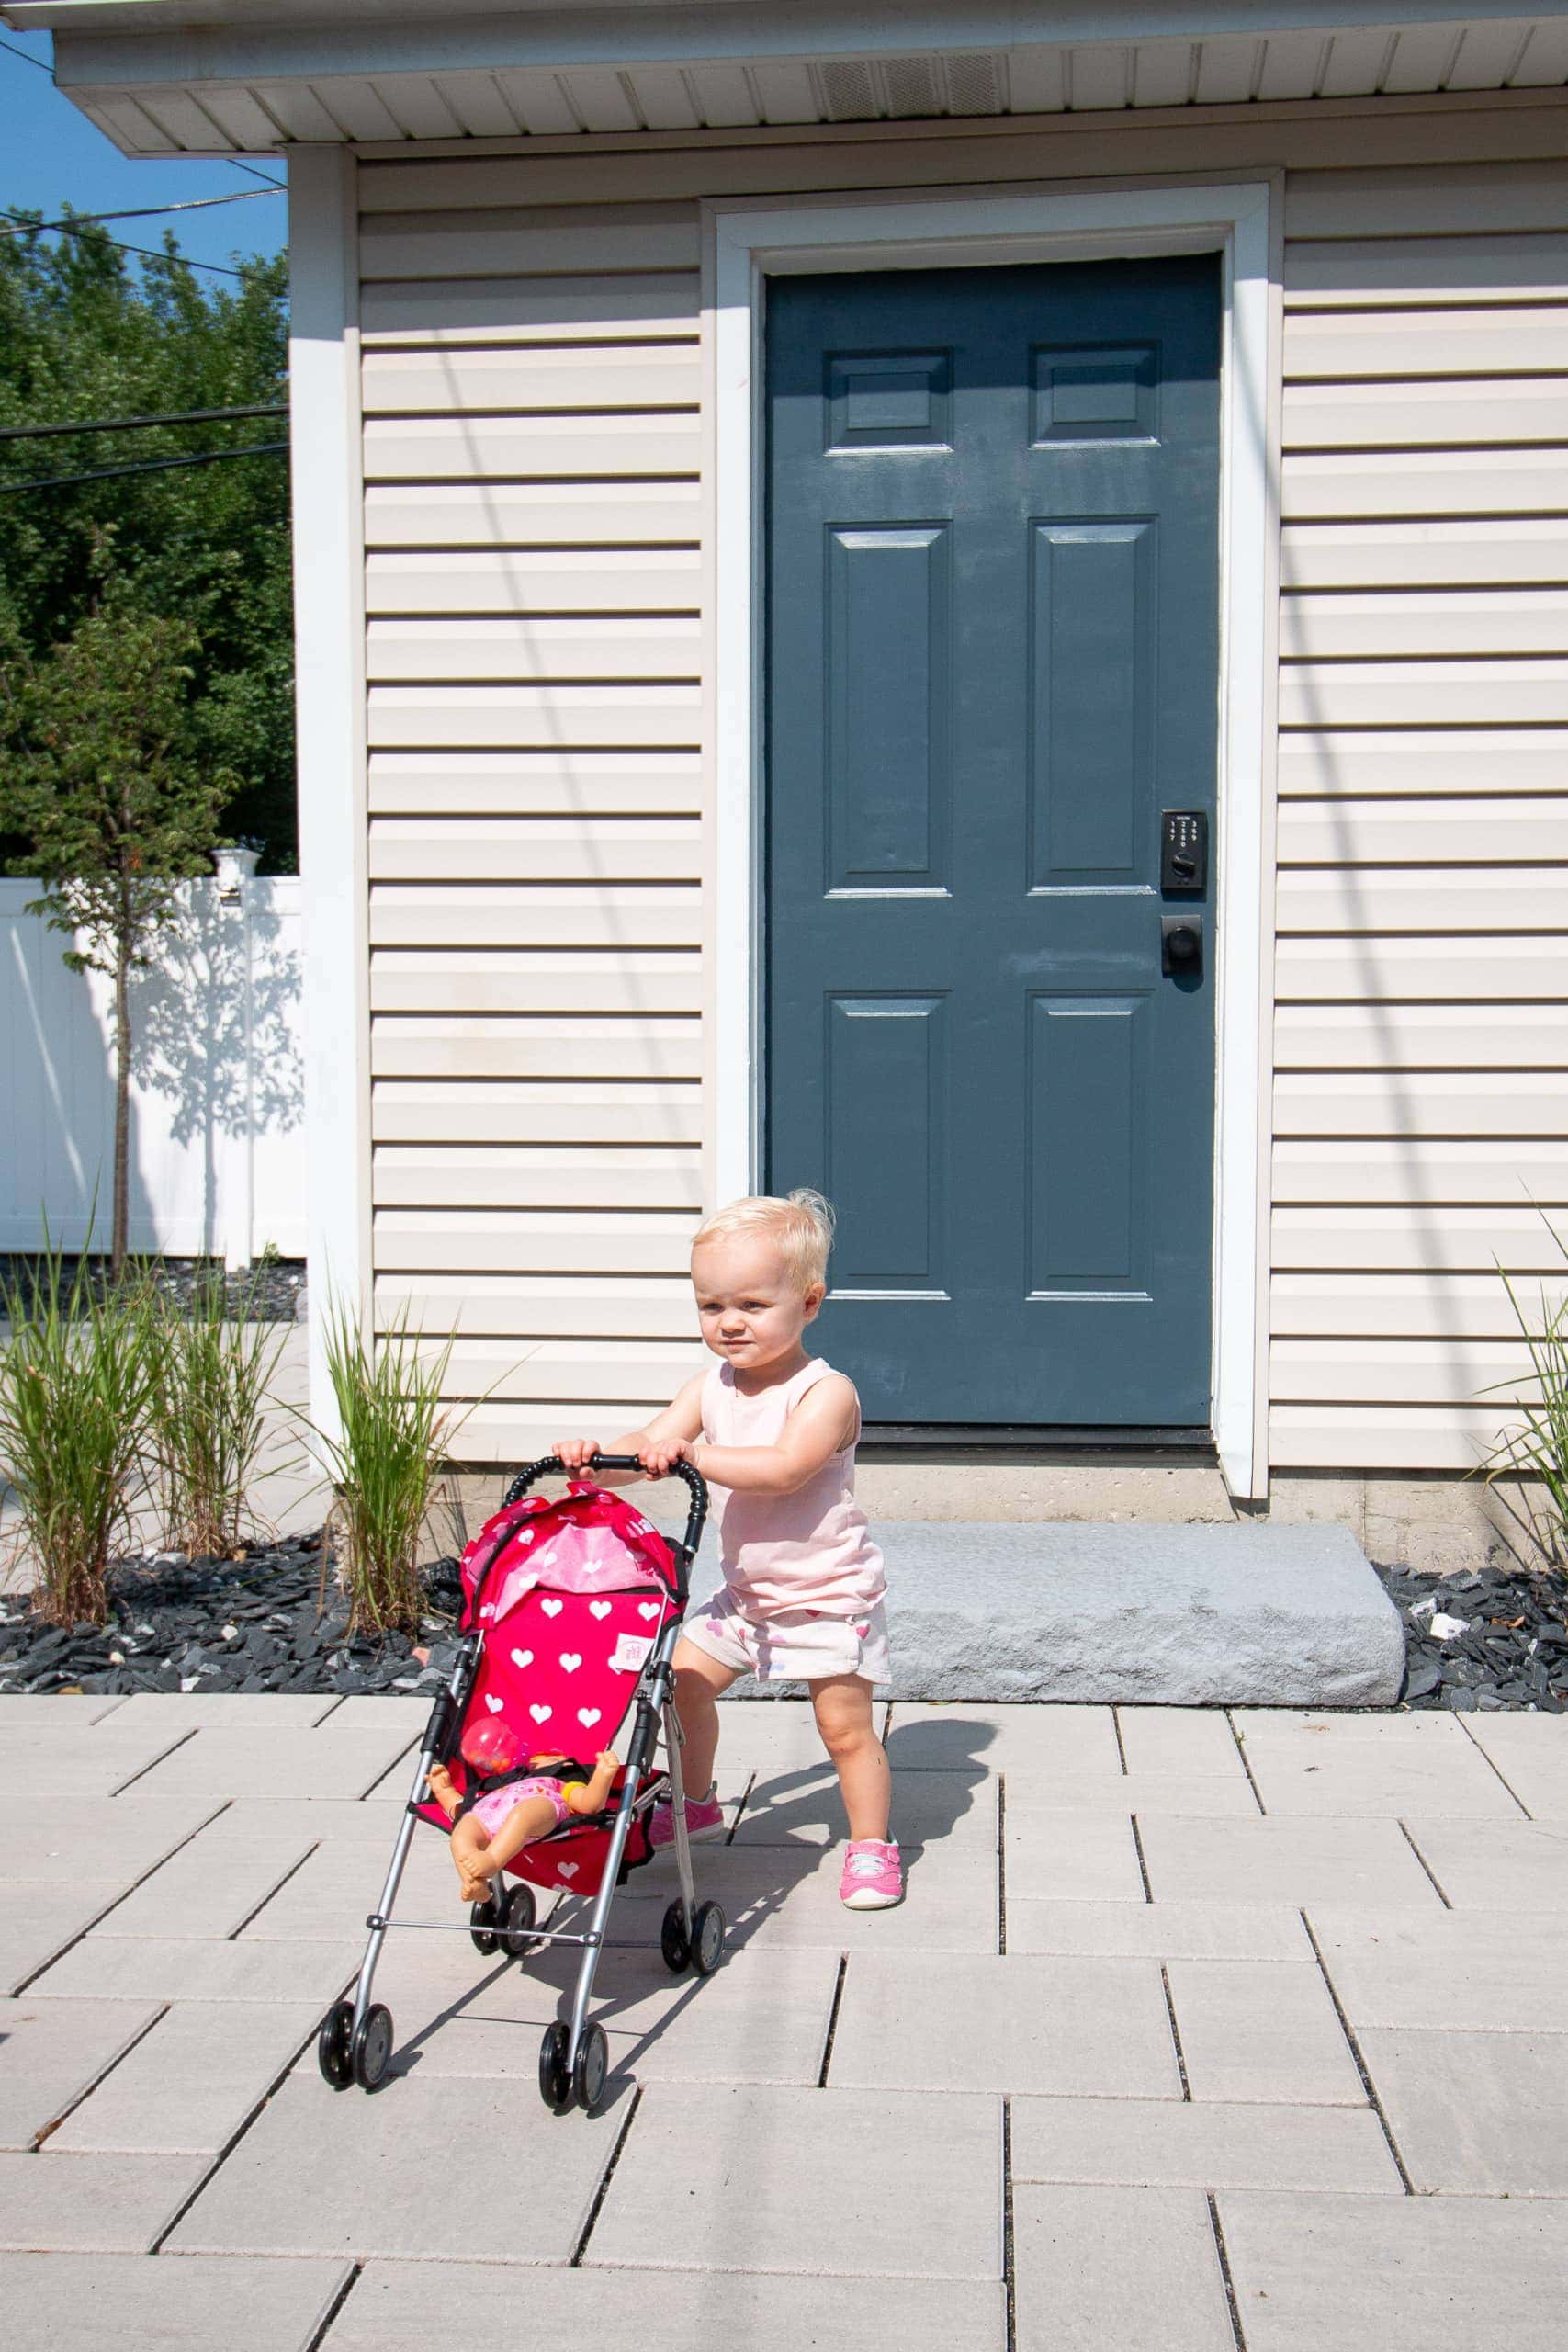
x=666, y=1435
x=592, y=1796
x=822, y=1424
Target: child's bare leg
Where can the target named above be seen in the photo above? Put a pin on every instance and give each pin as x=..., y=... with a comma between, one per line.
x=534, y=1817
x=844, y=1710
x=699, y=1680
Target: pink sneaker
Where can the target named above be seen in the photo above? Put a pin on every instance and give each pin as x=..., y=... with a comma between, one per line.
x=705, y=1818
x=874, y=1876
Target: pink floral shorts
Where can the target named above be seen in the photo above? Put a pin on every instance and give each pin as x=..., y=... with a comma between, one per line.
x=793, y=1646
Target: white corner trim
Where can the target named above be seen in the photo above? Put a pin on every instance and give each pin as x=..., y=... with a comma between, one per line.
x=746, y=243
x=328, y=635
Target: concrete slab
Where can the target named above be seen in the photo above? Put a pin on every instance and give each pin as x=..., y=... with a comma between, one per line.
x=49, y=1919
x=328, y=2172
x=134, y=1968
x=939, y=2022
x=1182, y=1615
x=716, y=2177
x=1133, y=2268
x=329, y=1896
x=207, y=1891
x=113, y=1751
x=134, y=1834
x=189, y=2087
x=1348, y=1764
x=367, y=1821
x=381, y=1710
x=779, y=1895
x=777, y=1735
x=1128, y=1792
x=1086, y=1856
x=321, y=1763
x=1157, y=1930
x=407, y=2307
x=57, y=2302
x=1329, y=2273
x=1261, y=2030
x=52, y=2053
x=26, y=1707
x=1039, y=1742
x=1493, y=1865
x=1479, y=2114
x=806, y=1809
x=90, y=2204
x=1191, y=2143
x=181, y=1712
x=1325, y=1860
x=1479, y=1972
x=1195, y=1741
x=1531, y=1753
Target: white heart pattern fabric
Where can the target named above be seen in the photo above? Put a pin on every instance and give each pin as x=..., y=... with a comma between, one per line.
x=494, y=1704
x=541, y=1714
x=552, y=1608
x=566, y=1870
x=588, y=1717
x=649, y=1608
x=570, y=1660
x=600, y=1607
x=520, y=1658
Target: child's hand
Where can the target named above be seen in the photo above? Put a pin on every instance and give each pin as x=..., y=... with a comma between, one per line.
x=576, y=1453
x=660, y=1457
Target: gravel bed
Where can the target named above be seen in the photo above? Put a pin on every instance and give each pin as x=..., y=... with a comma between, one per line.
x=1482, y=1640
x=273, y=1290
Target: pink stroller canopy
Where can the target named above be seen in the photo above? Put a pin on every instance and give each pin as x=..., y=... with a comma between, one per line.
x=584, y=1542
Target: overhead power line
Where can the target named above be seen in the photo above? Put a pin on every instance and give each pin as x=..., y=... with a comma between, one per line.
x=234, y=165
x=15, y=227
x=26, y=54
x=147, y=253
x=135, y=424
x=147, y=465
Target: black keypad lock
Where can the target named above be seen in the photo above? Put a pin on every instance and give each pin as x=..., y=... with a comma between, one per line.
x=1184, y=850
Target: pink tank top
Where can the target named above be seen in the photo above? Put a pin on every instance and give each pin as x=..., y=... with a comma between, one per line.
x=809, y=1550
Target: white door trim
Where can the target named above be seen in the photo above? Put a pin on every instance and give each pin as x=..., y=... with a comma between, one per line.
x=746, y=243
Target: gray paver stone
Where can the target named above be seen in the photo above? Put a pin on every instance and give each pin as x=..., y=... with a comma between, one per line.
x=42, y=1921
x=1133, y=2268
x=1040, y=1742
x=1150, y=1790
x=206, y=1890
x=324, y=1763
x=1327, y=1764
x=90, y=2204
x=1480, y=1971
x=145, y=1968
x=51, y=2053
x=1480, y=2113
x=1157, y=1930
x=1492, y=1866
x=1335, y=1861
x=1261, y=2030
x=134, y=1834
x=783, y=1894
x=1531, y=1753
x=1073, y=1856
x=955, y=1808
x=185, y=1710
x=187, y=2088
x=1201, y=2143
x=1196, y=1741
x=57, y=2302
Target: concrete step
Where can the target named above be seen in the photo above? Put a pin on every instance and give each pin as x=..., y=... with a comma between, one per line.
x=1173, y=1616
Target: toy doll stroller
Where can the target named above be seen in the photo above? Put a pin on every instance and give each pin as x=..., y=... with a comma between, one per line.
x=570, y=1614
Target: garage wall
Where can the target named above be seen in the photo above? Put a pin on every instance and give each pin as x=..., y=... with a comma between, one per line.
x=531, y=372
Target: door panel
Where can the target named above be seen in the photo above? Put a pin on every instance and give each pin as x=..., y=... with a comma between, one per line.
x=992, y=662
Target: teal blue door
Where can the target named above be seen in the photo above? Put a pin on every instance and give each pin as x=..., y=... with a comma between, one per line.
x=992, y=687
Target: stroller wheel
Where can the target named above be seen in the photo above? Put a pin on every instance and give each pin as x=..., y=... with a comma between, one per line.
x=554, y=2081
x=332, y=2045
x=672, y=1939
x=520, y=1914
x=484, y=1922
x=592, y=2065
x=707, y=1942
x=373, y=2048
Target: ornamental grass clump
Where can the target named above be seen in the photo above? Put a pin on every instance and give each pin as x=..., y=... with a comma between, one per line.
x=206, y=1414
x=384, y=1461
x=76, y=1380
x=1539, y=1449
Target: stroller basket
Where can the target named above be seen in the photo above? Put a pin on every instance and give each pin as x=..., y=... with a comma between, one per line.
x=571, y=1613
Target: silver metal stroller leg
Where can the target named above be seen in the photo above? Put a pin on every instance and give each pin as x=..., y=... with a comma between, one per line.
x=389, y=1890
x=674, y=1740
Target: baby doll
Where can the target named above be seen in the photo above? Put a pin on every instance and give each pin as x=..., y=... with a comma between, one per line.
x=511, y=1799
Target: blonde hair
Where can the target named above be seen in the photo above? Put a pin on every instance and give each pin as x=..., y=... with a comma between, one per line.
x=802, y=1225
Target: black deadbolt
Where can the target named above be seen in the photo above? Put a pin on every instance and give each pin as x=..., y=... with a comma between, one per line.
x=1184, y=850
x=1181, y=946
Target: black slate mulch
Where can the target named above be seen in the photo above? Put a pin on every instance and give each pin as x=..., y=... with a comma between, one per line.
x=1513, y=1652
x=269, y=1292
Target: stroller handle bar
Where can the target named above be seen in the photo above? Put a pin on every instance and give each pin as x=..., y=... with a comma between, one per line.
x=551, y=1464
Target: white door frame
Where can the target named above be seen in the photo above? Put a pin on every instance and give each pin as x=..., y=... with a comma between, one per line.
x=746, y=243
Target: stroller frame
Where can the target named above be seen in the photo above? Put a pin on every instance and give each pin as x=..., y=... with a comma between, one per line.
x=354, y=2042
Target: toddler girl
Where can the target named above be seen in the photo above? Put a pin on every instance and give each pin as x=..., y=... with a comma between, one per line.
x=773, y=1431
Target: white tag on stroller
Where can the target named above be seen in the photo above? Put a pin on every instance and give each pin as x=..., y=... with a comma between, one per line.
x=630, y=1653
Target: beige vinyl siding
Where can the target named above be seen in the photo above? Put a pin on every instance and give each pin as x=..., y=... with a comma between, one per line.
x=539, y=713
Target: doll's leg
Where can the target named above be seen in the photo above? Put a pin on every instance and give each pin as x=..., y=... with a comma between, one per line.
x=843, y=1709
x=468, y=1843
x=534, y=1817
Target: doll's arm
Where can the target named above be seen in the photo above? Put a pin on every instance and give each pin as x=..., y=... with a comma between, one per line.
x=592, y=1796
x=440, y=1785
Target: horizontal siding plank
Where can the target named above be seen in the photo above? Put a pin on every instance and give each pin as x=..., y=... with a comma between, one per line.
x=1436, y=1240
x=1423, y=555
x=583, y=1370
x=495, y=1241
x=520, y=718
x=515, y=1433
x=502, y=514
x=1353, y=1437
x=545, y=1306
x=502, y=1111
x=1412, y=1307
x=1530, y=341
x=456, y=1046
x=1420, y=1036
x=1417, y=1169
x=1355, y=485
x=1475, y=762
x=542, y=1176
x=537, y=579
x=605, y=308
x=1383, y=272
x=1486, y=412
x=464, y=383
x=1449, y=623
x=621, y=649
x=1502, y=831
x=535, y=784
x=1435, y=969
x=522, y=914
x=1452, y=901
x=536, y=241
x=469, y=979
x=1431, y=1103
x=536, y=849
x=1412, y=693
x=1401, y=1371
x=1433, y=199
x=534, y=448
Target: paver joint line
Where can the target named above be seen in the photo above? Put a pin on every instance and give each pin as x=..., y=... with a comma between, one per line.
x=1361, y=2067
x=152, y=1762
x=1002, y=1862
x=1224, y=2262
x=98, y=1918
x=1143, y=1864
x=329, y=2317
x=267, y=1897
x=832, y=2021
x=1495, y=1766
x=581, y=2248
x=1241, y=1751
x=1120, y=1743
x=1009, y=2274
x=1437, y=1884
x=69, y=2110
x=1175, y=2031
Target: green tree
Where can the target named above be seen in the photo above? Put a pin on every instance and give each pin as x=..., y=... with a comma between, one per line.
x=105, y=777
x=86, y=333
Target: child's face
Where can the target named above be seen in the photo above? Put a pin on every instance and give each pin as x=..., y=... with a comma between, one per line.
x=751, y=1311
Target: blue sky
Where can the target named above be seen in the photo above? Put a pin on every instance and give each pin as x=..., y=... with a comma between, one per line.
x=51, y=154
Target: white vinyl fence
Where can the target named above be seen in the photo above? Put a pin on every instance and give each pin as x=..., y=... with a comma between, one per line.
x=217, y=1093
